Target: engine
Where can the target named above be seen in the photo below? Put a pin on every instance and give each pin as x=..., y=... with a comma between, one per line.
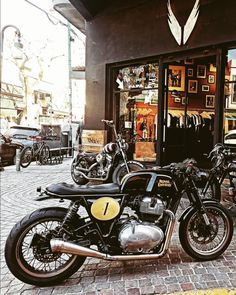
x=142, y=236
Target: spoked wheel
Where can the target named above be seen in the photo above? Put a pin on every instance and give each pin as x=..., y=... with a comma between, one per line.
x=28, y=253
x=26, y=157
x=121, y=170
x=202, y=241
x=44, y=155
x=75, y=166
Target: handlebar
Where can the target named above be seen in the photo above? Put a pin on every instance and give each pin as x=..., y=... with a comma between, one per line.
x=109, y=123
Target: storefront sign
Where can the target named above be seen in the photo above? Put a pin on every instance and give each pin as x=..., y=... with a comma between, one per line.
x=180, y=34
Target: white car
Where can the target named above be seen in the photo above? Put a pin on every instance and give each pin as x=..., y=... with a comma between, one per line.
x=230, y=138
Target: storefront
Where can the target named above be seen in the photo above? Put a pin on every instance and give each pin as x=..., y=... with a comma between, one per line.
x=164, y=71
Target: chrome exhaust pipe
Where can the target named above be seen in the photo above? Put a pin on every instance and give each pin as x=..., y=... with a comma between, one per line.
x=71, y=248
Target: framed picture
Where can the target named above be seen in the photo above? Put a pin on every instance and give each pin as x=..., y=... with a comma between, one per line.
x=205, y=88
x=192, y=86
x=201, y=71
x=153, y=97
x=188, y=61
x=211, y=79
x=190, y=72
x=210, y=101
x=176, y=77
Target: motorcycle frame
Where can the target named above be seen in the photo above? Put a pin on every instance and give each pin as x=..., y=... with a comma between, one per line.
x=124, y=198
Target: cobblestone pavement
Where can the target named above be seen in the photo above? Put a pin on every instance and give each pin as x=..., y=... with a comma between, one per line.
x=176, y=272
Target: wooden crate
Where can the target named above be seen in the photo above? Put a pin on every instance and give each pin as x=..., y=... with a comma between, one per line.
x=93, y=140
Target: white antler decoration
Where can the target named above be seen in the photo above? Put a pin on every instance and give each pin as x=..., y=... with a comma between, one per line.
x=181, y=35
x=174, y=24
x=192, y=19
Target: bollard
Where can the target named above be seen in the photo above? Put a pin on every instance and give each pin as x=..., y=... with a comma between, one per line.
x=18, y=151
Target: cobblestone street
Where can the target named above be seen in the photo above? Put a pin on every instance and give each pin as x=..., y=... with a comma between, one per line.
x=176, y=272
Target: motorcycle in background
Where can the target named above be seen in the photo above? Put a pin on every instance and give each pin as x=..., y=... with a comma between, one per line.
x=224, y=167
x=131, y=221
x=109, y=165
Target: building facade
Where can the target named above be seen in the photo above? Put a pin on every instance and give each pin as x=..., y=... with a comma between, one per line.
x=163, y=71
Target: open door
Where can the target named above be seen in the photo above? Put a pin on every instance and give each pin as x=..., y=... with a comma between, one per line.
x=188, y=112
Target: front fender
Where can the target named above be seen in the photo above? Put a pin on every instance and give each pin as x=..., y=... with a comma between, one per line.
x=190, y=208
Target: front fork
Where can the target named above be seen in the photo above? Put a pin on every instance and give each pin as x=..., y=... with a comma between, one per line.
x=196, y=200
x=125, y=160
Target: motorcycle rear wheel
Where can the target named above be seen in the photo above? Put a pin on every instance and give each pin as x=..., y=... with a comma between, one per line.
x=121, y=170
x=76, y=176
x=206, y=242
x=28, y=254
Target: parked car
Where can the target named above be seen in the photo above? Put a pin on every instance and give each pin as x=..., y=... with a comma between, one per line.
x=50, y=134
x=230, y=138
x=23, y=134
x=8, y=150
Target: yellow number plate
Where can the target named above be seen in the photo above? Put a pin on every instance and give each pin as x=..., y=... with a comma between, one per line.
x=105, y=208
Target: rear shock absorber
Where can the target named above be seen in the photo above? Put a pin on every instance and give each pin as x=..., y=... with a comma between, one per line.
x=72, y=211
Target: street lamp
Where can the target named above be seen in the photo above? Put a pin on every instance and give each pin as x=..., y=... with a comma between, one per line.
x=17, y=44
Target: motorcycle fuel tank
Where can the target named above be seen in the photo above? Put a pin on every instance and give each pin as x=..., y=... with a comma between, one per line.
x=148, y=181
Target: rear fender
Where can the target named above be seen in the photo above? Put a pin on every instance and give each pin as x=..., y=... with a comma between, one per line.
x=191, y=208
x=44, y=196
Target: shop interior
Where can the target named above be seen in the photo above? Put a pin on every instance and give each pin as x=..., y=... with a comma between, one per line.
x=189, y=103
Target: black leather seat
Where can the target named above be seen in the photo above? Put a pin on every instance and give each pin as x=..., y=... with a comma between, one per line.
x=67, y=189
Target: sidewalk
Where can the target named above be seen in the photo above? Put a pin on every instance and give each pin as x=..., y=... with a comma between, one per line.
x=175, y=272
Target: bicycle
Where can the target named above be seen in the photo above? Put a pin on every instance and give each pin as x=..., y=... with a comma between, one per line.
x=39, y=151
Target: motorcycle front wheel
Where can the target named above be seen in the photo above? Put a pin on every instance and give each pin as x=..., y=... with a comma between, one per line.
x=75, y=166
x=28, y=253
x=202, y=241
x=121, y=170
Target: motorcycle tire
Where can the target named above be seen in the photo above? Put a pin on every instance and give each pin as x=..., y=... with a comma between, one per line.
x=121, y=170
x=206, y=242
x=78, y=163
x=38, y=265
x=26, y=157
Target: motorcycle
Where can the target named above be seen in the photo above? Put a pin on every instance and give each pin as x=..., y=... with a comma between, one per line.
x=131, y=221
x=110, y=164
x=224, y=167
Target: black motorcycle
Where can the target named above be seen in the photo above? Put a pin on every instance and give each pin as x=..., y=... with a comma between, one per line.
x=224, y=167
x=131, y=221
x=109, y=165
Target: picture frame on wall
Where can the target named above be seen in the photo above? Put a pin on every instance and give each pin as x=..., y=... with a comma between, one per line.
x=176, y=76
x=205, y=88
x=201, y=71
x=190, y=72
x=211, y=79
x=192, y=86
x=210, y=101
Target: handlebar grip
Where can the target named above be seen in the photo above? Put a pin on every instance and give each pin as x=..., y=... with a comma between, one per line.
x=107, y=121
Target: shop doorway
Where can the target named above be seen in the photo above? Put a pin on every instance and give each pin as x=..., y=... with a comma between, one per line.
x=189, y=108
